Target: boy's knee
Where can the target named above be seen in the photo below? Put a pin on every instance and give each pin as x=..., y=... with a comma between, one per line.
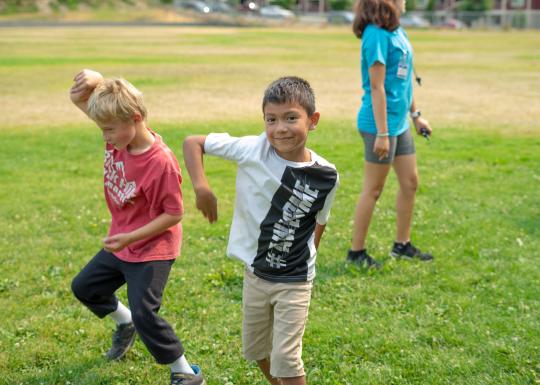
x=286, y=365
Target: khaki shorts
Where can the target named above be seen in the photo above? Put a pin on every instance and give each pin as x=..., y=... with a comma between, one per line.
x=275, y=317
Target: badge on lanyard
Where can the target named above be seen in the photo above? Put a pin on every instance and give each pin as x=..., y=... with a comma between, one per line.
x=403, y=66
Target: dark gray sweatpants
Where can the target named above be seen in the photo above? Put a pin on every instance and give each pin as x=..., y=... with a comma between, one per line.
x=95, y=285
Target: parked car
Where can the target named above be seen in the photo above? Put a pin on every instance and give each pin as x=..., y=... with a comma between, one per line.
x=451, y=23
x=276, y=12
x=413, y=21
x=221, y=6
x=194, y=5
x=249, y=7
x=340, y=17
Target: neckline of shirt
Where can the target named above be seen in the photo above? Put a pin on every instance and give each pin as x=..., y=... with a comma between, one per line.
x=152, y=148
x=292, y=163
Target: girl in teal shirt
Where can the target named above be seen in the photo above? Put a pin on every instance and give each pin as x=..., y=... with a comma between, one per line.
x=387, y=68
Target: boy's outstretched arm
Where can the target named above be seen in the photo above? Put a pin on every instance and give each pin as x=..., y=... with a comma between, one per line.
x=157, y=226
x=205, y=199
x=84, y=84
x=319, y=230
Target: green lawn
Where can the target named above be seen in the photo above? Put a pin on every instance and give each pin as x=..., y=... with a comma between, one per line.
x=470, y=317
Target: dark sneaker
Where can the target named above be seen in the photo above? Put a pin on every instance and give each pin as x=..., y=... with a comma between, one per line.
x=407, y=250
x=361, y=257
x=122, y=340
x=188, y=379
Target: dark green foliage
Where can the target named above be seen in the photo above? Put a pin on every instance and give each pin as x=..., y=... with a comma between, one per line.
x=476, y=5
x=70, y=4
x=340, y=5
x=287, y=4
x=25, y=6
x=410, y=5
x=15, y=6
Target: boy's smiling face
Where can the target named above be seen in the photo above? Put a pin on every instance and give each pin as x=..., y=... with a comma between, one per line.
x=287, y=126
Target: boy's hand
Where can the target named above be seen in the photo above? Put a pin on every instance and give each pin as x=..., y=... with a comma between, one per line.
x=206, y=201
x=116, y=242
x=85, y=82
x=422, y=125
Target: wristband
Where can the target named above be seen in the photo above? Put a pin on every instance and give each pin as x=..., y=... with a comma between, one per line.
x=415, y=114
x=382, y=134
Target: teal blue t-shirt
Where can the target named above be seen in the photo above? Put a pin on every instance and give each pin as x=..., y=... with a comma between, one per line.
x=393, y=49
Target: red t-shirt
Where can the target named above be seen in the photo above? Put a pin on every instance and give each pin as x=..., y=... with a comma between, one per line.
x=139, y=188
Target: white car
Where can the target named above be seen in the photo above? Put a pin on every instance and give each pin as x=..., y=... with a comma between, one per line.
x=276, y=12
x=194, y=5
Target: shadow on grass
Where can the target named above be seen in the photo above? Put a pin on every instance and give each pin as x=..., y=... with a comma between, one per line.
x=529, y=224
x=330, y=270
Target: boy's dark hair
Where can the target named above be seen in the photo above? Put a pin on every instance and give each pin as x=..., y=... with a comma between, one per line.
x=290, y=89
x=382, y=13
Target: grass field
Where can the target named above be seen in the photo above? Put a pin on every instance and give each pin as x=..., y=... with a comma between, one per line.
x=471, y=317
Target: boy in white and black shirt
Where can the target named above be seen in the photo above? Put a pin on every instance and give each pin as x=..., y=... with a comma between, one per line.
x=284, y=192
x=273, y=226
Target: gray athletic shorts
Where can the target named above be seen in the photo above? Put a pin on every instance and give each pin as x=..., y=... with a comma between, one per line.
x=399, y=145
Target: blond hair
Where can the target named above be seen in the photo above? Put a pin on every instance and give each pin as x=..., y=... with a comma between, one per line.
x=115, y=99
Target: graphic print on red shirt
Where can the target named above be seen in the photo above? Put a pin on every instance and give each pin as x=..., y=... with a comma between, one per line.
x=119, y=189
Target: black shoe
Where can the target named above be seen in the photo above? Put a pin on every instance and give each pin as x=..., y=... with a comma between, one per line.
x=361, y=257
x=122, y=340
x=188, y=379
x=407, y=250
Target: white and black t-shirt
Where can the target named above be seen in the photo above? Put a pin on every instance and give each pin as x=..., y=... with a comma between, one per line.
x=277, y=205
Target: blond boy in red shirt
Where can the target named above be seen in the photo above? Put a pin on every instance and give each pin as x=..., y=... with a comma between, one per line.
x=142, y=190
